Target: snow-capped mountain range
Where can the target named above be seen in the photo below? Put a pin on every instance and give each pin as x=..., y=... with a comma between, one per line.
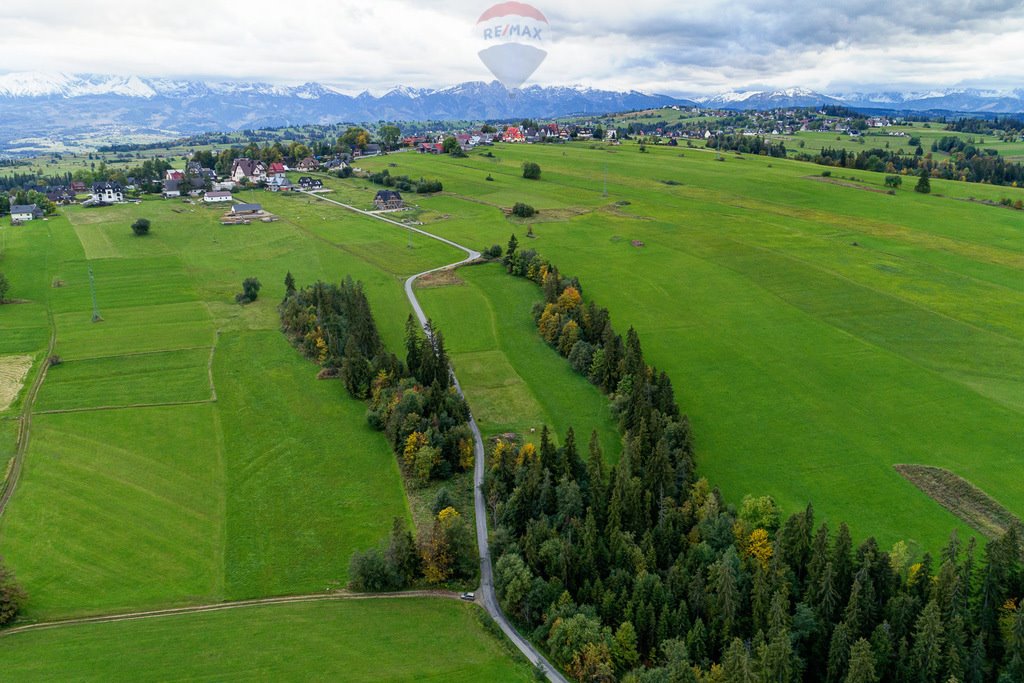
x=39, y=104
x=60, y=104
x=970, y=100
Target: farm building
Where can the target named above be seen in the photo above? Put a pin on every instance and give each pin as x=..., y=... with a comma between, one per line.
x=388, y=199
x=21, y=213
x=246, y=208
x=217, y=197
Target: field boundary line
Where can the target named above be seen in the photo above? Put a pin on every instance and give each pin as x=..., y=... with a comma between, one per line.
x=134, y=354
x=93, y=409
x=222, y=606
x=209, y=365
x=25, y=425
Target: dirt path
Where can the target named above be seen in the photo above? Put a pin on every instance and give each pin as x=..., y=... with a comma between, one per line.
x=221, y=606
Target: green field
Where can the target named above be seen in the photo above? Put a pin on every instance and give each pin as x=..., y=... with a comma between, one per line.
x=513, y=381
x=816, y=332
x=251, y=478
x=371, y=640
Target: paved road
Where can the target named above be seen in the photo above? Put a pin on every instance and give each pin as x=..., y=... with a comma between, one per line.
x=485, y=593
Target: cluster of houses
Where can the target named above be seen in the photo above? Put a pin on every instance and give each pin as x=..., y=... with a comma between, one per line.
x=192, y=181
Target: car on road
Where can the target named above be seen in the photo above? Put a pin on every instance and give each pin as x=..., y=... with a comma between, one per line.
x=468, y=596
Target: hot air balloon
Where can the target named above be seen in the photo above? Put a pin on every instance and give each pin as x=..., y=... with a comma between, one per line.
x=513, y=34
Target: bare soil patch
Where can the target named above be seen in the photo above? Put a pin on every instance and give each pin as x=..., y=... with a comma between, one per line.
x=13, y=370
x=965, y=500
x=441, y=278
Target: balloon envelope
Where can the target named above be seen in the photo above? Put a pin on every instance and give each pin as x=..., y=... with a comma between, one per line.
x=513, y=35
x=512, y=63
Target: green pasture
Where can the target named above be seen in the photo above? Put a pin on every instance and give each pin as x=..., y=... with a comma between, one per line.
x=817, y=330
x=266, y=491
x=514, y=382
x=353, y=640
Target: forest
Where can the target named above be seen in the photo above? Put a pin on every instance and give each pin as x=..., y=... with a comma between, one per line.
x=643, y=572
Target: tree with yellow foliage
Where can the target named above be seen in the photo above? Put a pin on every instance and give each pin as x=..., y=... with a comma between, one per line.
x=759, y=546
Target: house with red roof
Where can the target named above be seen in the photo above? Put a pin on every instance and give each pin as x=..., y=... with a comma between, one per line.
x=513, y=134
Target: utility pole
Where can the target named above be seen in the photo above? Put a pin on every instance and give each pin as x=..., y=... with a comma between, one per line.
x=92, y=290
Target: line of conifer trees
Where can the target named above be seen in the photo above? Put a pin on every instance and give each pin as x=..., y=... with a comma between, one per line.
x=644, y=573
x=413, y=403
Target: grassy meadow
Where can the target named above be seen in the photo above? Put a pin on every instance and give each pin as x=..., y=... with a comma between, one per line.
x=182, y=451
x=355, y=640
x=817, y=331
x=513, y=381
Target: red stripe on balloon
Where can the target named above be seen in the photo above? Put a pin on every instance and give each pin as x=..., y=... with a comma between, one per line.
x=505, y=8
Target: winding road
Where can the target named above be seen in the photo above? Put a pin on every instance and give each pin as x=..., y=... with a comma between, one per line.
x=485, y=593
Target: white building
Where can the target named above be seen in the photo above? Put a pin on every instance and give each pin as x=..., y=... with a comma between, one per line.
x=107, y=193
x=242, y=169
x=21, y=213
x=217, y=197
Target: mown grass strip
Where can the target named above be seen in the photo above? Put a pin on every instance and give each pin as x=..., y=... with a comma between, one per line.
x=965, y=500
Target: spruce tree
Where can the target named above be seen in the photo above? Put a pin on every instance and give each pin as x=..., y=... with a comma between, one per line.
x=862, y=664
x=924, y=184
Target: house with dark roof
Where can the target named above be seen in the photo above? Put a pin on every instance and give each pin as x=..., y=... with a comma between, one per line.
x=388, y=200
x=107, y=193
x=308, y=183
x=279, y=183
x=247, y=169
x=246, y=209
x=61, y=195
x=22, y=213
x=172, y=188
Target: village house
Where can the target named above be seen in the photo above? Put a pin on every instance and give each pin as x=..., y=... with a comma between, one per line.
x=513, y=134
x=308, y=183
x=431, y=148
x=276, y=169
x=196, y=170
x=21, y=213
x=61, y=195
x=279, y=183
x=78, y=186
x=247, y=169
x=217, y=197
x=107, y=193
x=172, y=174
x=308, y=164
x=388, y=200
x=172, y=188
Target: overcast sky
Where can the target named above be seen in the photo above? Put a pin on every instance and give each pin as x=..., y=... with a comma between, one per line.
x=668, y=46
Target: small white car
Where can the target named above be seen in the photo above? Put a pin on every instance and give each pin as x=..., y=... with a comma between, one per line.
x=468, y=596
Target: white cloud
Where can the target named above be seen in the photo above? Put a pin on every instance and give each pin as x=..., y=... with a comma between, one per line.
x=655, y=45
